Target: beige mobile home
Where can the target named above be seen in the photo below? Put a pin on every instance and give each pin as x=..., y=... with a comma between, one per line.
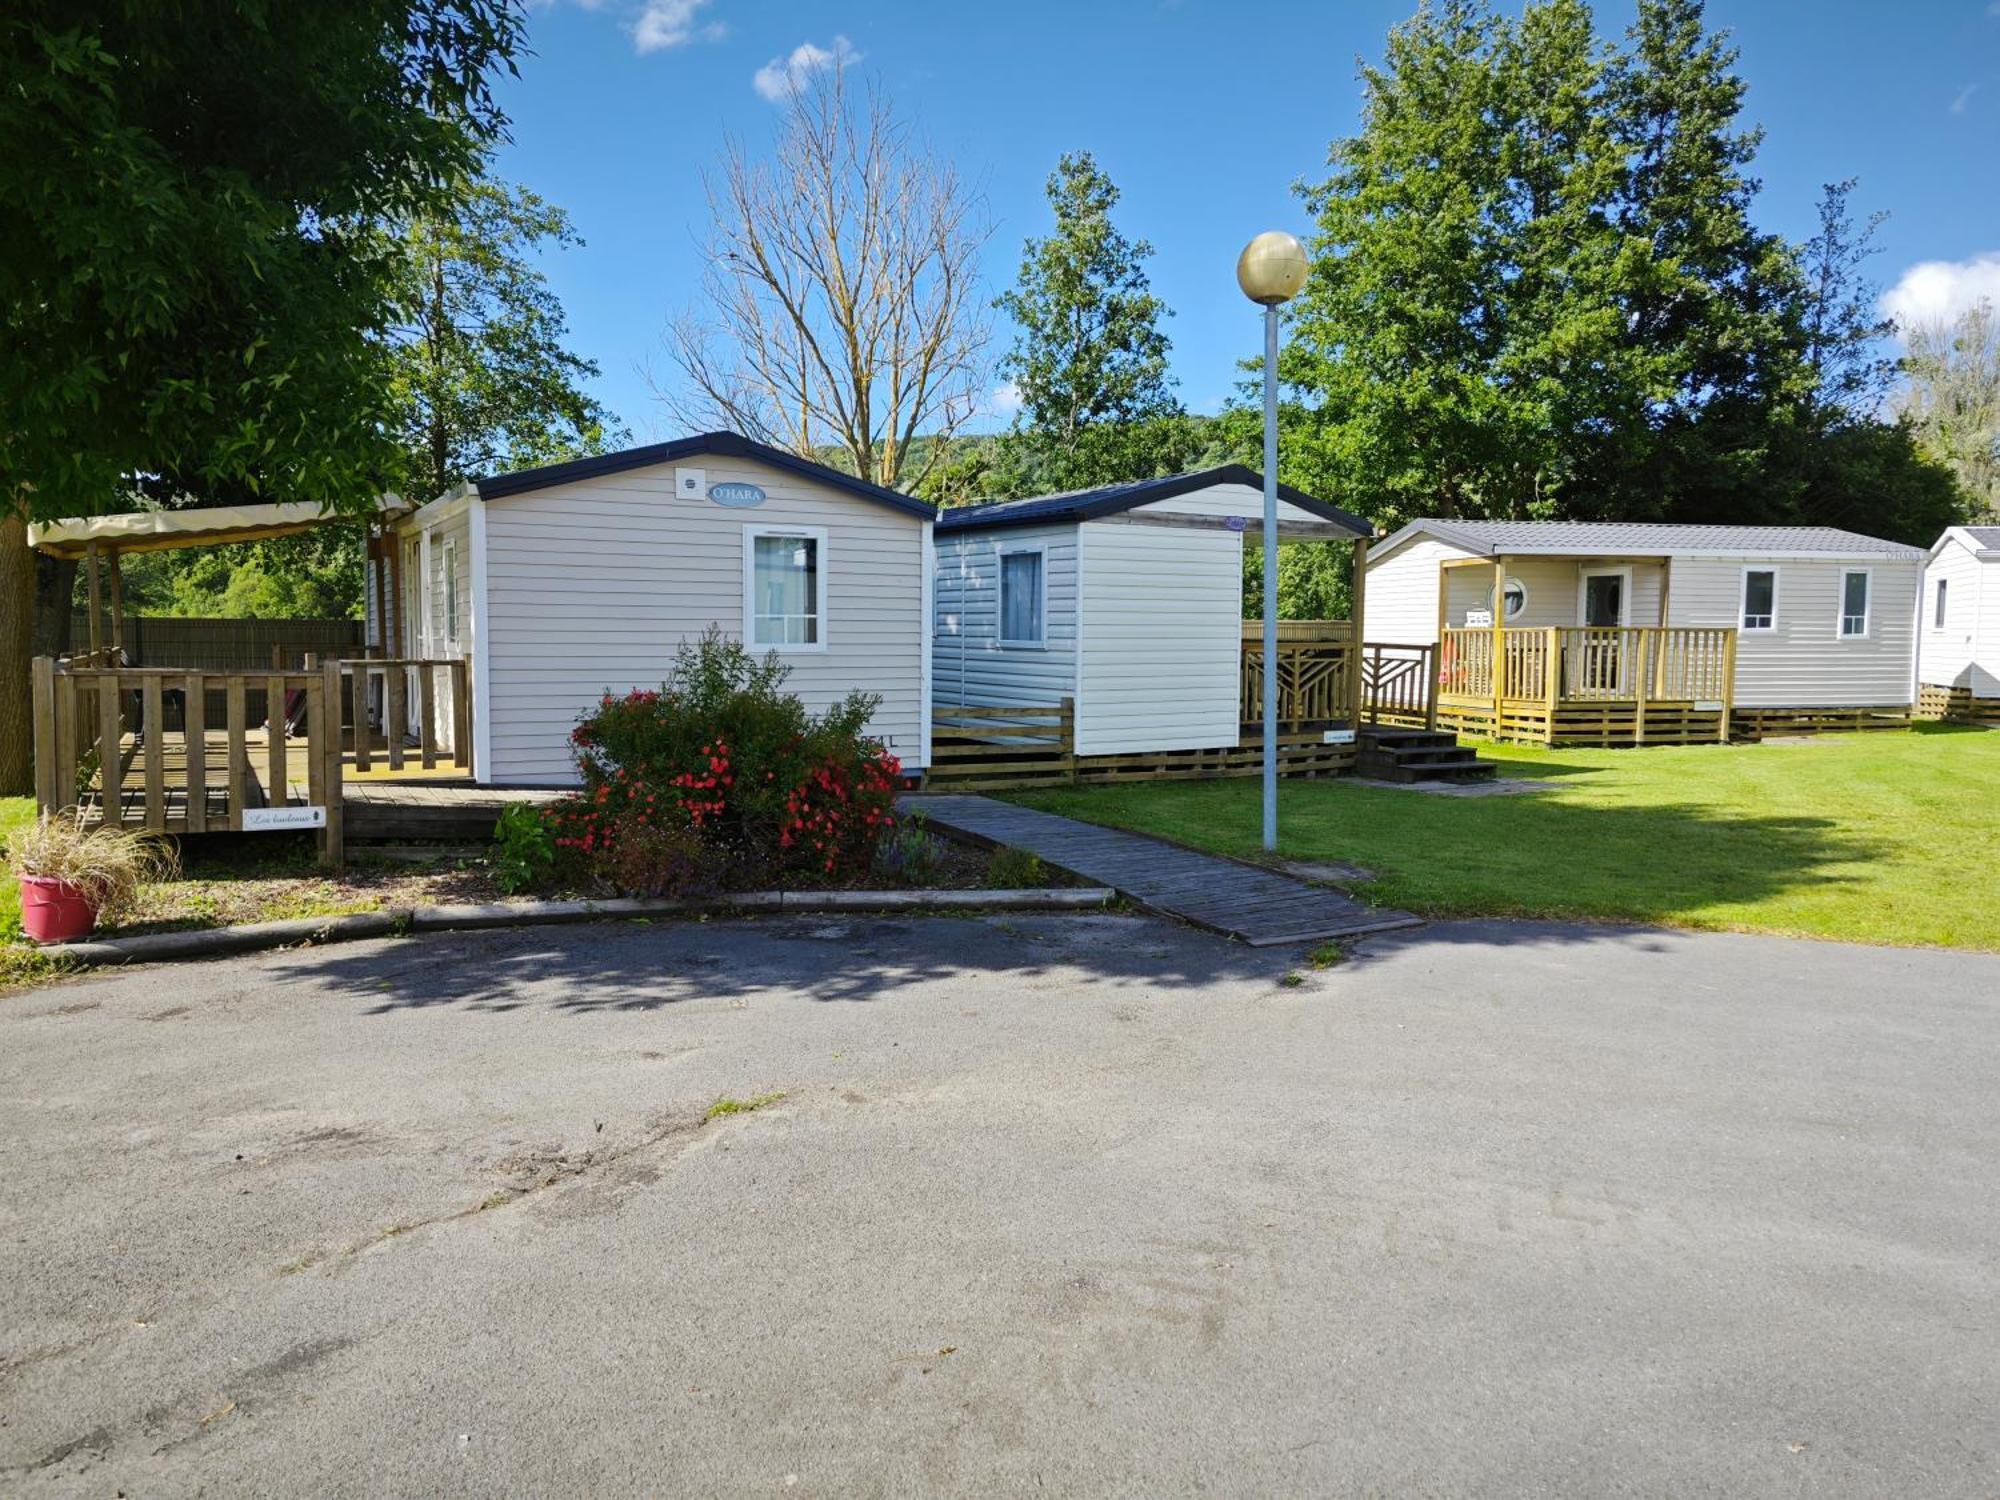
x=559, y=583
x=1958, y=642
x=1126, y=604
x=1613, y=633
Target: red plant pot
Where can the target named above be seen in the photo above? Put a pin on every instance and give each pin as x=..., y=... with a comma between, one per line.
x=54, y=911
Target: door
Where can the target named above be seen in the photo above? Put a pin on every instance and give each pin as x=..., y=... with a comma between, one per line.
x=416, y=598
x=1603, y=668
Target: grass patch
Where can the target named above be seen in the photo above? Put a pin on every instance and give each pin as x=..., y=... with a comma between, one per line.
x=1882, y=837
x=728, y=1106
x=1326, y=955
x=15, y=813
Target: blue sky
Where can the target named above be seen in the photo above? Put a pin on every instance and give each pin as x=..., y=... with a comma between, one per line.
x=1205, y=112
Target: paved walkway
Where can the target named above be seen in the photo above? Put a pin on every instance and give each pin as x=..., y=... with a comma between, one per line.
x=1260, y=907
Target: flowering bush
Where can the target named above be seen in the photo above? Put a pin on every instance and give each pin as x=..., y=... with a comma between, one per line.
x=721, y=778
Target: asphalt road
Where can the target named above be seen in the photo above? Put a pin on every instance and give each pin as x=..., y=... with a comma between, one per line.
x=1077, y=1205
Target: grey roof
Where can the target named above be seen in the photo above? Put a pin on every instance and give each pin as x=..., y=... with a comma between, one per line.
x=724, y=444
x=1985, y=536
x=1085, y=505
x=1648, y=539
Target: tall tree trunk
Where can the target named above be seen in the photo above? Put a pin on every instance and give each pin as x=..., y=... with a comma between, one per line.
x=17, y=640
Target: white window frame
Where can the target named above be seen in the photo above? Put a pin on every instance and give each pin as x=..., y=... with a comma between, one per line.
x=1840, y=631
x=1583, y=577
x=1941, y=606
x=448, y=589
x=1743, y=598
x=1507, y=582
x=1000, y=555
x=823, y=559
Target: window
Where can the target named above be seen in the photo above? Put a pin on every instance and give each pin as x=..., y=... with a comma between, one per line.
x=1853, y=603
x=1760, y=598
x=451, y=591
x=1937, y=610
x=1514, y=598
x=783, y=588
x=1022, y=613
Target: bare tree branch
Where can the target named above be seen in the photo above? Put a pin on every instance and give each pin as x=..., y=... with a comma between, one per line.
x=840, y=306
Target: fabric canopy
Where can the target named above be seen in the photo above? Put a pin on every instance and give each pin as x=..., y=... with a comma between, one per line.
x=202, y=526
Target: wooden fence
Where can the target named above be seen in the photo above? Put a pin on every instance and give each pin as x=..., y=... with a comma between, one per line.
x=1316, y=686
x=383, y=691
x=102, y=746
x=1589, y=685
x=1399, y=684
x=991, y=749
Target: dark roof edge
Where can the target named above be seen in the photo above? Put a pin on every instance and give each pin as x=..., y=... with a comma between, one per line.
x=724, y=444
x=1090, y=505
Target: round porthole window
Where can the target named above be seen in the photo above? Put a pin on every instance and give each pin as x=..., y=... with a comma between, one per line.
x=1514, y=597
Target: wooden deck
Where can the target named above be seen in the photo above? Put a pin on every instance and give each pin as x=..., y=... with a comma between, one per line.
x=1259, y=907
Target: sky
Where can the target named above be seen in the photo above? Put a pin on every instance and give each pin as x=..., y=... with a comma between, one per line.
x=1205, y=113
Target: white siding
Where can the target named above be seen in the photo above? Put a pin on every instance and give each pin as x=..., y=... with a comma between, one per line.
x=1225, y=500
x=968, y=663
x=1400, y=606
x=1803, y=663
x=1162, y=638
x=1966, y=652
x=591, y=586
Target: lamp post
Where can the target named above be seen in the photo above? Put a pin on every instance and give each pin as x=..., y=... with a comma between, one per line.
x=1271, y=270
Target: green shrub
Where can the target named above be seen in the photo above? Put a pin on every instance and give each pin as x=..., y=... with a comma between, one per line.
x=722, y=753
x=911, y=854
x=1015, y=869
x=524, y=849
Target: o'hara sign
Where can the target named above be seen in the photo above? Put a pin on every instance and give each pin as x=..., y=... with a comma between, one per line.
x=737, y=496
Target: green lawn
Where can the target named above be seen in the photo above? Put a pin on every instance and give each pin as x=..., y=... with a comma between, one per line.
x=15, y=812
x=1879, y=838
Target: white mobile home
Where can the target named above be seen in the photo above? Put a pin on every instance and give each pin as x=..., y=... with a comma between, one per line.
x=1958, y=661
x=563, y=582
x=1563, y=629
x=1126, y=600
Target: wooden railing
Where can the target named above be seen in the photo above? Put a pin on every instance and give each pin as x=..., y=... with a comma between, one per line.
x=1399, y=684
x=1639, y=665
x=103, y=745
x=383, y=693
x=1315, y=672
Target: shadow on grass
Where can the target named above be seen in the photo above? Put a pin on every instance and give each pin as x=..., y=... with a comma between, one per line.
x=642, y=966
x=1530, y=857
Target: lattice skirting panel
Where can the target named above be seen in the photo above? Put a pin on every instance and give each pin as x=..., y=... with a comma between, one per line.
x=1956, y=705
x=1528, y=720
x=1757, y=723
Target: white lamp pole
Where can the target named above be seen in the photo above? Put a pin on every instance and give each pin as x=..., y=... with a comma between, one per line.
x=1271, y=270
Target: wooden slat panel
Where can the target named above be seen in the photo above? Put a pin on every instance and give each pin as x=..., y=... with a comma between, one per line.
x=363, y=740
x=317, y=716
x=153, y=722
x=395, y=716
x=275, y=792
x=238, y=752
x=461, y=713
x=43, y=691
x=195, y=722
x=427, y=714
x=110, y=780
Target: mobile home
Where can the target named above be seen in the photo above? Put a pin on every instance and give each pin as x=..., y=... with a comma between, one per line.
x=1958, y=642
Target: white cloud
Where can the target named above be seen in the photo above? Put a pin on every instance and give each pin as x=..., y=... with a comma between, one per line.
x=1964, y=98
x=1937, y=291
x=662, y=25
x=1004, y=399
x=782, y=77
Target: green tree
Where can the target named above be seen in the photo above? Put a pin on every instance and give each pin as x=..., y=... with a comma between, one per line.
x=1952, y=400
x=191, y=281
x=1089, y=359
x=480, y=378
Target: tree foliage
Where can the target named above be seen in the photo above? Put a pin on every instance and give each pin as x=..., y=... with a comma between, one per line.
x=481, y=380
x=1089, y=359
x=1952, y=399
x=192, y=287
x=1539, y=291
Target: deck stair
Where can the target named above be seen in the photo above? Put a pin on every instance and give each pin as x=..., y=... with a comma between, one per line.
x=1392, y=754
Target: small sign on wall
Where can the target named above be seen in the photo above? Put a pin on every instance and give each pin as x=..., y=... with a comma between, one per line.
x=273, y=819
x=1338, y=737
x=1479, y=619
x=737, y=496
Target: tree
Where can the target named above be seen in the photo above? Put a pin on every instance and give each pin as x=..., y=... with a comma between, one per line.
x=191, y=281
x=1089, y=360
x=1952, y=400
x=842, y=289
x=480, y=378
